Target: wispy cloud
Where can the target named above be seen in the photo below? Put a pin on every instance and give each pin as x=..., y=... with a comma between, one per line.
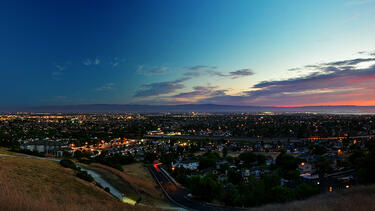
x=116, y=62
x=198, y=93
x=241, y=73
x=234, y=74
x=87, y=62
x=367, y=53
x=58, y=72
x=160, y=88
x=338, y=82
x=151, y=70
x=347, y=63
x=201, y=67
x=343, y=82
x=91, y=62
x=198, y=70
x=106, y=87
x=294, y=69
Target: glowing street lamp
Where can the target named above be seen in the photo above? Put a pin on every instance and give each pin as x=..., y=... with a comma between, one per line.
x=339, y=152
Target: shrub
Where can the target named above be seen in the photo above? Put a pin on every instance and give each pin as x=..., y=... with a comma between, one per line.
x=99, y=185
x=304, y=191
x=281, y=194
x=85, y=176
x=68, y=164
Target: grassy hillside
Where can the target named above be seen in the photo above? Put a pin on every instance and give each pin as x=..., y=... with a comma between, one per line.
x=138, y=179
x=33, y=184
x=356, y=198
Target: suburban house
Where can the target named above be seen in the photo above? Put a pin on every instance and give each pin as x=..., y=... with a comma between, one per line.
x=187, y=164
x=305, y=167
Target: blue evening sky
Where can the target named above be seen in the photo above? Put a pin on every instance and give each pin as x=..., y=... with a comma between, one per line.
x=186, y=51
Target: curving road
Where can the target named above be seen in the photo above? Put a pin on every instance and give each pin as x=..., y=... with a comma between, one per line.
x=178, y=195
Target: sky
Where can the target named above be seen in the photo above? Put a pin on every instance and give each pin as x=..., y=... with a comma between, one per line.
x=243, y=52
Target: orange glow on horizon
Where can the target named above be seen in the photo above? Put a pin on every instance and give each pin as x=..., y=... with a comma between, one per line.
x=340, y=103
x=368, y=78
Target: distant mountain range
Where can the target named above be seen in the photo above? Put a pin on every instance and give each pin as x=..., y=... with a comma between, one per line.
x=209, y=108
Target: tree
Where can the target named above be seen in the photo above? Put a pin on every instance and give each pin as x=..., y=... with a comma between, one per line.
x=286, y=161
x=234, y=176
x=85, y=176
x=232, y=197
x=167, y=158
x=270, y=181
x=225, y=151
x=206, y=187
x=180, y=175
x=252, y=193
x=149, y=157
x=68, y=164
x=248, y=157
x=323, y=166
x=292, y=174
x=356, y=158
x=230, y=159
x=287, y=166
x=304, y=191
x=366, y=171
x=261, y=159
x=79, y=154
x=280, y=194
x=206, y=163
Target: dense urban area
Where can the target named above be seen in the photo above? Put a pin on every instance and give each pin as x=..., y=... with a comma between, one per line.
x=207, y=160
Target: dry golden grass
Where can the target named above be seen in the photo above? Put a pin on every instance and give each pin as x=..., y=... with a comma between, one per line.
x=357, y=198
x=140, y=171
x=33, y=184
x=5, y=151
x=115, y=181
x=140, y=180
x=137, y=183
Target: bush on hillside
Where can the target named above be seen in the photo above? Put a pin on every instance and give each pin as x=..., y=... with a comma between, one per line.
x=85, y=176
x=68, y=164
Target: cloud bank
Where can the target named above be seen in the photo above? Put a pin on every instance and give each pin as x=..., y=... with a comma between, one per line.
x=343, y=82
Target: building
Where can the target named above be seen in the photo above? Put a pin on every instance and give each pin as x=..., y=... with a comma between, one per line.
x=43, y=146
x=305, y=167
x=155, y=133
x=187, y=164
